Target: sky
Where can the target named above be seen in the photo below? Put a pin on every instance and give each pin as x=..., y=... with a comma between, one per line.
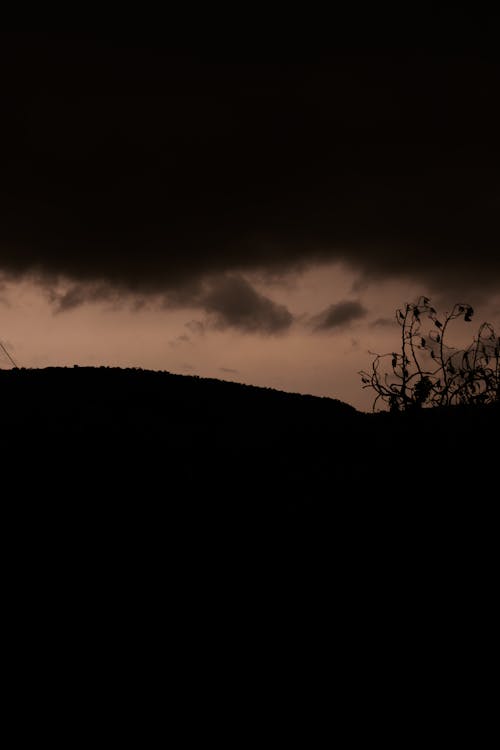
x=241, y=210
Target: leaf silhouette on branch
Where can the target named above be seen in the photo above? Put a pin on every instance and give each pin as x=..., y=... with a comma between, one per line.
x=427, y=372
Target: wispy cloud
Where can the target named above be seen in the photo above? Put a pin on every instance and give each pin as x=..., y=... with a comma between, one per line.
x=338, y=315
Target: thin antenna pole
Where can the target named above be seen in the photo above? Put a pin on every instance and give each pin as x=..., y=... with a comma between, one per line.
x=7, y=353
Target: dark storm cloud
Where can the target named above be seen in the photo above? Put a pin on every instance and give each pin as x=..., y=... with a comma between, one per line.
x=127, y=163
x=233, y=302
x=78, y=295
x=338, y=315
x=3, y=294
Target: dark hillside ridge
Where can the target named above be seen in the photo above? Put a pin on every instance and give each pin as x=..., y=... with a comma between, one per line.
x=231, y=436
x=143, y=429
x=153, y=471
x=136, y=395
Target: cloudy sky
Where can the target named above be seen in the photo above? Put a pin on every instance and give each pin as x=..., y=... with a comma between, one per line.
x=247, y=211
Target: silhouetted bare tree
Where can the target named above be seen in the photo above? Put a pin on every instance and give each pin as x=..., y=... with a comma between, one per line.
x=427, y=372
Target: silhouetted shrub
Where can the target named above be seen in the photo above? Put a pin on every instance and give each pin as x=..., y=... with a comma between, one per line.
x=427, y=372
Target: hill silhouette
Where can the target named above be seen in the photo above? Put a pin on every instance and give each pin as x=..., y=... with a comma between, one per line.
x=132, y=459
x=127, y=428
x=142, y=507
x=110, y=397
x=143, y=427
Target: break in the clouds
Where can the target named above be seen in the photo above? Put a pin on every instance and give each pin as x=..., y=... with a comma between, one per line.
x=338, y=315
x=147, y=168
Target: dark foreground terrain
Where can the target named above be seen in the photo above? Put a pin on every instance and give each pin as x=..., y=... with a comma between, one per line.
x=114, y=442
x=154, y=522
x=136, y=465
